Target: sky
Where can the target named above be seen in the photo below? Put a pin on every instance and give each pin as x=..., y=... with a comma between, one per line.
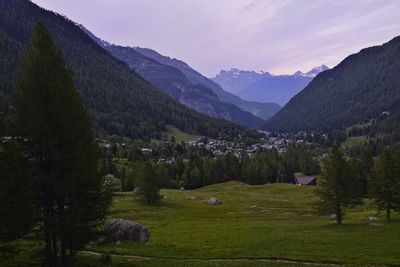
x=279, y=36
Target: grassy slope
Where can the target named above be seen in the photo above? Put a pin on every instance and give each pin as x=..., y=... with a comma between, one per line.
x=179, y=135
x=355, y=141
x=271, y=221
x=254, y=222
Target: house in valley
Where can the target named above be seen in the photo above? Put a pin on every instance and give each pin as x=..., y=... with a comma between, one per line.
x=306, y=180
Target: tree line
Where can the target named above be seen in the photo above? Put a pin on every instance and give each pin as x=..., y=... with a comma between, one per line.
x=127, y=168
x=194, y=167
x=344, y=182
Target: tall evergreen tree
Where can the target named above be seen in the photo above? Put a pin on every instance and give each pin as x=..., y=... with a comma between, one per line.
x=148, y=188
x=366, y=163
x=384, y=183
x=337, y=186
x=55, y=130
x=19, y=210
x=2, y=117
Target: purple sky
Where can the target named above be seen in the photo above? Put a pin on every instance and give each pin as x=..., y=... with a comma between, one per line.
x=281, y=36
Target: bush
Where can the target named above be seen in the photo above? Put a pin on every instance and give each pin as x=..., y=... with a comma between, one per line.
x=112, y=183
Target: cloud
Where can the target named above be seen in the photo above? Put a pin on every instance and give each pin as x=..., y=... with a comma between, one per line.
x=280, y=36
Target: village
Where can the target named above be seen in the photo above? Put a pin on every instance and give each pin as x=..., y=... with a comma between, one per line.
x=220, y=147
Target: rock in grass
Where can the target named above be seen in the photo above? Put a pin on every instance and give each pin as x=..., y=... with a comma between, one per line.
x=119, y=230
x=374, y=224
x=191, y=197
x=213, y=201
x=372, y=218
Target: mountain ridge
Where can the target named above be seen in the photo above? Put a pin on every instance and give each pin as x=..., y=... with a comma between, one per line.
x=264, y=86
x=262, y=110
x=360, y=88
x=119, y=100
x=173, y=82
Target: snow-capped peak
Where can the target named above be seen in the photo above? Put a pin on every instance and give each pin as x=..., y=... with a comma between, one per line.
x=313, y=72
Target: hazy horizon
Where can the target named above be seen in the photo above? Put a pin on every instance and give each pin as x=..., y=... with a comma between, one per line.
x=280, y=37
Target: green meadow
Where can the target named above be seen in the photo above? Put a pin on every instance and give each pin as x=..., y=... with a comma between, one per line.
x=266, y=225
x=254, y=222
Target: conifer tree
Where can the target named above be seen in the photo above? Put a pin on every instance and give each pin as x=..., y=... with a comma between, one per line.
x=19, y=210
x=384, y=183
x=148, y=188
x=55, y=131
x=337, y=186
x=3, y=117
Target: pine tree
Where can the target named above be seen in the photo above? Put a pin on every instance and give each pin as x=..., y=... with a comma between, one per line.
x=56, y=132
x=19, y=210
x=148, y=188
x=384, y=183
x=337, y=186
x=3, y=117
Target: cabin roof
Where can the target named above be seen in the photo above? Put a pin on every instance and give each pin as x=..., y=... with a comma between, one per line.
x=305, y=180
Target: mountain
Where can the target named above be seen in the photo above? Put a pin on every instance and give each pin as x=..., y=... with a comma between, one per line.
x=119, y=100
x=265, y=87
x=313, y=72
x=235, y=80
x=262, y=110
x=173, y=82
x=362, y=87
x=243, y=117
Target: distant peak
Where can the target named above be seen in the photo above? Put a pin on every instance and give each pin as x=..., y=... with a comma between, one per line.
x=298, y=73
x=237, y=72
x=313, y=72
x=319, y=68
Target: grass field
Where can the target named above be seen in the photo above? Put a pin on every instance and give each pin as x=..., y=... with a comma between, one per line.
x=254, y=222
x=253, y=225
x=179, y=135
x=355, y=141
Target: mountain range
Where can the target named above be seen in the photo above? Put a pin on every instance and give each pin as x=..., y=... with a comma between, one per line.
x=364, y=87
x=173, y=81
x=133, y=91
x=119, y=100
x=264, y=86
x=262, y=110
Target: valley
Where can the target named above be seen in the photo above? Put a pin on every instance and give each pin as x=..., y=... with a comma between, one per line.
x=127, y=138
x=264, y=224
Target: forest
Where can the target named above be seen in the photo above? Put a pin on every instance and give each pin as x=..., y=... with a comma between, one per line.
x=119, y=101
x=364, y=87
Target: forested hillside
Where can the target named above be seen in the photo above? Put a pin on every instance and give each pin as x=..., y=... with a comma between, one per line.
x=173, y=82
x=262, y=110
x=167, y=78
x=362, y=87
x=119, y=101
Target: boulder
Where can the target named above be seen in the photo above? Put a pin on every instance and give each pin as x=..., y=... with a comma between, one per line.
x=213, y=201
x=372, y=218
x=119, y=230
x=375, y=224
x=191, y=197
x=332, y=217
